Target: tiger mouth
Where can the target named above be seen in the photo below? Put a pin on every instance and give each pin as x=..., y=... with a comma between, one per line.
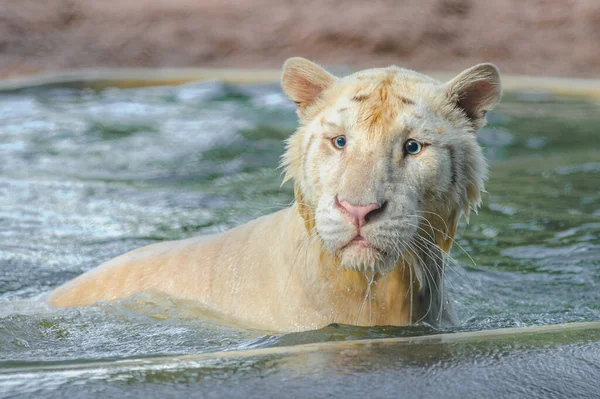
x=361, y=243
x=358, y=241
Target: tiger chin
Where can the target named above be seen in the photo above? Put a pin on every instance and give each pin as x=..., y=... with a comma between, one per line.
x=384, y=164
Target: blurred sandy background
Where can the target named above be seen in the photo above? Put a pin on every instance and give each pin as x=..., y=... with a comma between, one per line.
x=533, y=37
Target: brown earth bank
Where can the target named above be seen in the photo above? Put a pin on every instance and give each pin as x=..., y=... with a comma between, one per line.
x=531, y=37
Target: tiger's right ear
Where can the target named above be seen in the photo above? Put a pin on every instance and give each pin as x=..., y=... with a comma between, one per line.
x=303, y=82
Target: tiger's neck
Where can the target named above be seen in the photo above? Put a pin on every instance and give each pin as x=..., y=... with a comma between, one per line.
x=373, y=299
x=351, y=297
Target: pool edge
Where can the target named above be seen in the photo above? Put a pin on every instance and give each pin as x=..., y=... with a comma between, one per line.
x=182, y=360
x=100, y=78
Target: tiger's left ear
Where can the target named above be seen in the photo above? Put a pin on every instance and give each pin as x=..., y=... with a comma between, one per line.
x=476, y=91
x=303, y=82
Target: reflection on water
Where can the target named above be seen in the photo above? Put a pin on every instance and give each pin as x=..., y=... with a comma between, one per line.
x=87, y=175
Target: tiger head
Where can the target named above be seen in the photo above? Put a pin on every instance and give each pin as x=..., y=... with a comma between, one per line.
x=385, y=161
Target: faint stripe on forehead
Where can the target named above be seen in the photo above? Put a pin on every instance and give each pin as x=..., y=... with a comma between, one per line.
x=364, y=97
x=325, y=122
x=360, y=98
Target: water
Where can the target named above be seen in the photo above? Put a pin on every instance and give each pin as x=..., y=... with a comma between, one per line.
x=86, y=176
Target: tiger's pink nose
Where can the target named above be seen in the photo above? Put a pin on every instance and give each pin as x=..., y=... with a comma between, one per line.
x=358, y=215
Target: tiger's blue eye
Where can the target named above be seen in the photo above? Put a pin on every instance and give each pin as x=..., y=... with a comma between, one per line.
x=413, y=147
x=340, y=141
